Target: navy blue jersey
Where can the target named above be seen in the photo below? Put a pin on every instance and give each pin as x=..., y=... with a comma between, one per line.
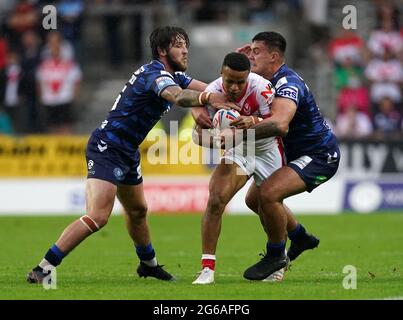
x=308, y=131
x=139, y=106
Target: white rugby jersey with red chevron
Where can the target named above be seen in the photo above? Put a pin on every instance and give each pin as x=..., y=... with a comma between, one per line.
x=255, y=100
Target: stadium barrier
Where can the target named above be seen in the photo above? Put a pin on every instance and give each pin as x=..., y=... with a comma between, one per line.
x=64, y=156
x=46, y=175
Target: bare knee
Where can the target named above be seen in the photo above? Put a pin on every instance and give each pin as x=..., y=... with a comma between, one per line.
x=94, y=222
x=269, y=195
x=217, y=201
x=138, y=213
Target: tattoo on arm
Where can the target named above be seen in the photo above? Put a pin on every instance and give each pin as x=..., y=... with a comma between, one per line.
x=188, y=98
x=267, y=129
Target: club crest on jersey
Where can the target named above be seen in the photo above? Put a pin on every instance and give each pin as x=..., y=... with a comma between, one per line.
x=246, y=109
x=118, y=173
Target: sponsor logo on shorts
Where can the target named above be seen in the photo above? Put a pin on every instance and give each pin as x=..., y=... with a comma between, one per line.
x=320, y=179
x=90, y=164
x=302, y=162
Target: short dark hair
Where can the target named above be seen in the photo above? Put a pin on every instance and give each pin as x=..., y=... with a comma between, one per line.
x=236, y=61
x=163, y=37
x=272, y=40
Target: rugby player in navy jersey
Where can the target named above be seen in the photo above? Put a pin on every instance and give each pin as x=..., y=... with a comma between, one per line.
x=113, y=157
x=310, y=146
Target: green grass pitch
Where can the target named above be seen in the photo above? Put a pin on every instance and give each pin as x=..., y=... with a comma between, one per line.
x=103, y=267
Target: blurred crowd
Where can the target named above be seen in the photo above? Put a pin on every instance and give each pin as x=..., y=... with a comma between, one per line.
x=368, y=78
x=39, y=75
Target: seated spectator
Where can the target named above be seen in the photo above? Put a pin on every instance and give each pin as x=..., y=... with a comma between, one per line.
x=358, y=96
x=24, y=17
x=353, y=124
x=70, y=13
x=387, y=121
x=10, y=99
x=30, y=59
x=347, y=46
x=348, y=74
x=386, y=37
x=3, y=51
x=58, y=79
x=6, y=126
x=66, y=49
x=386, y=76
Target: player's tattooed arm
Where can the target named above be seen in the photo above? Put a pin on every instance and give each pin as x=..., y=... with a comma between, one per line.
x=189, y=98
x=282, y=112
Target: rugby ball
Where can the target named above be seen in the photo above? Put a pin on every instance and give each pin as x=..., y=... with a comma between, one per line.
x=222, y=118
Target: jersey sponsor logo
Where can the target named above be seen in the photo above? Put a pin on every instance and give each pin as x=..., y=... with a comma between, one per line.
x=302, y=162
x=90, y=164
x=163, y=82
x=289, y=92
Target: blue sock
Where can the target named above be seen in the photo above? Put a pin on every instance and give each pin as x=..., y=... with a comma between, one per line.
x=298, y=233
x=54, y=255
x=275, y=249
x=145, y=253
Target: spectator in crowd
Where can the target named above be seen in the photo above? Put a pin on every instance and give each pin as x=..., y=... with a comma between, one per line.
x=10, y=78
x=71, y=17
x=3, y=50
x=387, y=121
x=386, y=35
x=353, y=124
x=24, y=17
x=58, y=79
x=5, y=123
x=30, y=59
x=347, y=46
x=386, y=77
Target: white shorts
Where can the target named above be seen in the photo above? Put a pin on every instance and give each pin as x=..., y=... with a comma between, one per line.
x=259, y=165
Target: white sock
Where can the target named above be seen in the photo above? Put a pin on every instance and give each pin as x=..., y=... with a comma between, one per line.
x=208, y=256
x=46, y=265
x=151, y=263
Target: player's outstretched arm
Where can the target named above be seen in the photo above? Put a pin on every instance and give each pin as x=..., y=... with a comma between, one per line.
x=282, y=112
x=189, y=98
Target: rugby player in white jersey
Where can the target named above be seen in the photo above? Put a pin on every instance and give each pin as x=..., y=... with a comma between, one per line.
x=253, y=94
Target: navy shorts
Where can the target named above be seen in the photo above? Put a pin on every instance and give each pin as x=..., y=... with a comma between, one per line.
x=317, y=168
x=106, y=162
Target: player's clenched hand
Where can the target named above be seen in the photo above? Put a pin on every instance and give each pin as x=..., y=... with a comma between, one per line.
x=221, y=101
x=201, y=117
x=246, y=49
x=244, y=122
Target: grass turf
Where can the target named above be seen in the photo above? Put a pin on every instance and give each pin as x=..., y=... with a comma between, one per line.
x=103, y=266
